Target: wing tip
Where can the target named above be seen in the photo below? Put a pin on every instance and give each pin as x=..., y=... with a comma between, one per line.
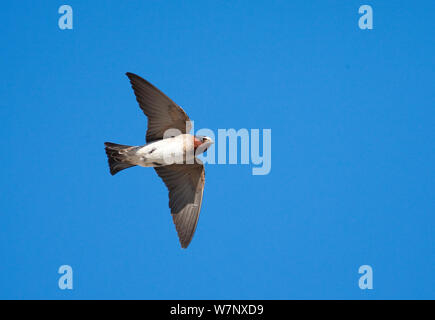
x=131, y=75
x=184, y=238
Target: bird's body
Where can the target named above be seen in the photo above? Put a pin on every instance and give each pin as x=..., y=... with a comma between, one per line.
x=171, y=153
x=166, y=151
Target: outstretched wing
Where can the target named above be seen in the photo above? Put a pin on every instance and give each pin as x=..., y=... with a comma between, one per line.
x=162, y=112
x=185, y=183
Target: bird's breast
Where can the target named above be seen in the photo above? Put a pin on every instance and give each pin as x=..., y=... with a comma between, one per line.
x=165, y=152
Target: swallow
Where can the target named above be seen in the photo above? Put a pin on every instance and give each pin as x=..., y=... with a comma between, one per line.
x=171, y=151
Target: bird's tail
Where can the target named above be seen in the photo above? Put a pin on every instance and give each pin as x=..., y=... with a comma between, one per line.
x=118, y=156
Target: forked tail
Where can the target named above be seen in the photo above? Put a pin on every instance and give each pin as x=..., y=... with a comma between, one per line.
x=118, y=156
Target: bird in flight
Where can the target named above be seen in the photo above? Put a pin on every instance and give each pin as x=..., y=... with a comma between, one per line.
x=171, y=151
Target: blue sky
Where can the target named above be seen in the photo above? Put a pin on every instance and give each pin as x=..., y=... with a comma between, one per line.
x=352, y=119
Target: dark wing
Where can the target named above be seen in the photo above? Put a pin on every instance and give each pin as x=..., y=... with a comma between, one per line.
x=185, y=183
x=161, y=111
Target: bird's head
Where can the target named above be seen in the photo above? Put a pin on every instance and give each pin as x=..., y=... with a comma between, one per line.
x=202, y=143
